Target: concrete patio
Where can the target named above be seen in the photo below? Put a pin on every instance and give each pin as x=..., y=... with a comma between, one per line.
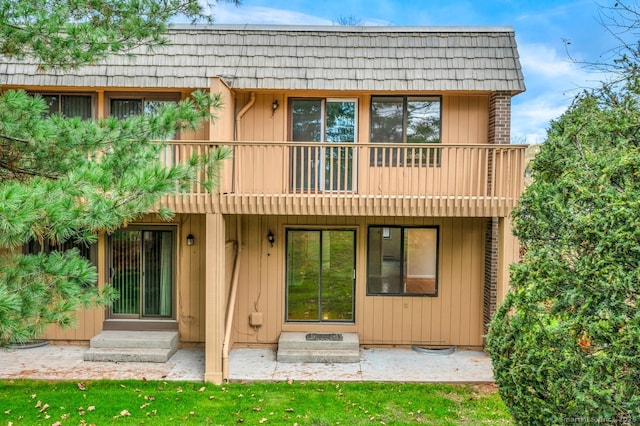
x=53, y=362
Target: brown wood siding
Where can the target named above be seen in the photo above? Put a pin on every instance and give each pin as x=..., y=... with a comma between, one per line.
x=465, y=119
x=190, y=279
x=453, y=317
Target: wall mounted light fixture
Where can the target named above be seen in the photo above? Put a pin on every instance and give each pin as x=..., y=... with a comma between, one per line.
x=274, y=106
x=271, y=238
x=191, y=240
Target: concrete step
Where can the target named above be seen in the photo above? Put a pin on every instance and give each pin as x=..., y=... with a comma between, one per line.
x=298, y=340
x=128, y=355
x=132, y=346
x=318, y=347
x=323, y=356
x=135, y=339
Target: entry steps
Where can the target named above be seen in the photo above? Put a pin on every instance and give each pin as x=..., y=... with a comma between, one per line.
x=132, y=346
x=313, y=347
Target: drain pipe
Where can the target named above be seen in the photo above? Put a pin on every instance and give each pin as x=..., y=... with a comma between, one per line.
x=231, y=302
x=242, y=112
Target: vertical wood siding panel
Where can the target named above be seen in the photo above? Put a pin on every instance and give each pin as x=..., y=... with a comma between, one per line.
x=457, y=279
x=467, y=240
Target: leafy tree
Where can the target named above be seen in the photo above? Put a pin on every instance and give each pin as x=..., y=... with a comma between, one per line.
x=64, y=180
x=564, y=343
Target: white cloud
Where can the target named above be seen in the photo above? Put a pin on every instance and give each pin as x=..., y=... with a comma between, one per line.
x=552, y=81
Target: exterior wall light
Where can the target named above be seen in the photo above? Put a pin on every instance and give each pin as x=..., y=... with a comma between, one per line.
x=271, y=238
x=274, y=106
x=191, y=240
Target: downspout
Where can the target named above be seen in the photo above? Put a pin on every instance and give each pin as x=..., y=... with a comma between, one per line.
x=231, y=302
x=242, y=112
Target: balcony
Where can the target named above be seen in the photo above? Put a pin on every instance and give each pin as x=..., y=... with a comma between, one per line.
x=355, y=179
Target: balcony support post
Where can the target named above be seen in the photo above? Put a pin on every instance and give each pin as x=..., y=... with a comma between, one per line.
x=215, y=302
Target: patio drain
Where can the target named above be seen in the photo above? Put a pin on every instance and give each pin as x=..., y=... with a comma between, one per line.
x=435, y=351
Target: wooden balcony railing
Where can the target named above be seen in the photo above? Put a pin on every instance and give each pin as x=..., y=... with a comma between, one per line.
x=358, y=179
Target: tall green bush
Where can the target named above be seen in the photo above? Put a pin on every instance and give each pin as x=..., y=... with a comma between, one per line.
x=565, y=343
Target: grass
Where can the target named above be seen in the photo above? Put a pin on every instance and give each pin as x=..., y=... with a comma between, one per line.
x=103, y=402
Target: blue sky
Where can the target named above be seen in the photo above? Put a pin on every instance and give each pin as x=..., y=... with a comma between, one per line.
x=542, y=29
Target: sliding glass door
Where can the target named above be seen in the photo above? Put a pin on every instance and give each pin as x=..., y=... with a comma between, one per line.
x=326, y=167
x=142, y=271
x=320, y=275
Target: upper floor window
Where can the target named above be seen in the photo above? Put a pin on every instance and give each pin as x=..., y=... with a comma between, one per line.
x=323, y=120
x=129, y=106
x=70, y=106
x=405, y=119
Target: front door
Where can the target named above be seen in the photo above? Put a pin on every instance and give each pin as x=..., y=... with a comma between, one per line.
x=320, y=275
x=142, y=271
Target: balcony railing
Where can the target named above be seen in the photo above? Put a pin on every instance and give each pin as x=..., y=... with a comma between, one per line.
x=364, y=178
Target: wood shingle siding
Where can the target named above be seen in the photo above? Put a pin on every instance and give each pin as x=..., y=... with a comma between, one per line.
x=304, y=58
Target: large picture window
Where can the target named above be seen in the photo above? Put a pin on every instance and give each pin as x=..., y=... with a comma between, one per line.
x=402, y=261
x=405, y=119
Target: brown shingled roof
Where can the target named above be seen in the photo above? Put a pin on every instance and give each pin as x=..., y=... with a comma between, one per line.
x=308, y=58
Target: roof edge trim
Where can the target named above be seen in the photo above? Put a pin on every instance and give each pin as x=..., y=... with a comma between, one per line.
x=343, y=29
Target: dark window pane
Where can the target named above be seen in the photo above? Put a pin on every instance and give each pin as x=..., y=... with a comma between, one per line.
x=125, y=108
x=53, y=103
x=89, y=252
x=76, y=106
x=341, y=121
x=423, y=120
x=152, y=107
x=306, y=120
x=384, y=263
x=386, y=119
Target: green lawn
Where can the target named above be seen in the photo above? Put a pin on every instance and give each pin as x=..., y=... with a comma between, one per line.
x=29, y=402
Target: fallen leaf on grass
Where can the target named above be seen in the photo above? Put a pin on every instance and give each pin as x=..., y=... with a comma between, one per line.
x=8, y=412
x=82, y=386
x=289, y=410
x=262, y=420
x=91, y=408
x=44, y=407
x=202, y=389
